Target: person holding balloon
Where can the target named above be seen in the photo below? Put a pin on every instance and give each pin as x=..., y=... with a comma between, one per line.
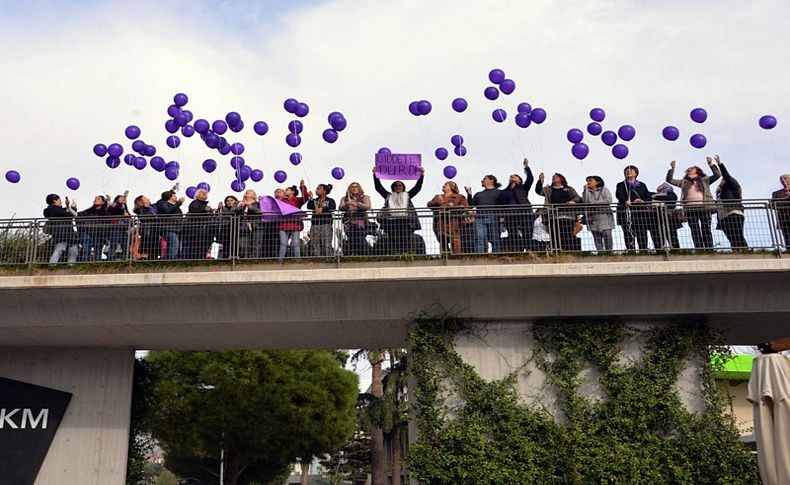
x=248, y=209
x=321, y=223
x=355, y=206
x=59, y=225
x=486, y=221
x=119, y=225
x=198, y=235
x=780, y=200
x=635, y=212
x=398, y=218
x=696, y=199
x=290, y=227
x=148, y=232
x=170, y=207
x=520, y=219
x=449, y=209
x=597, y=212
x=92, y=228
x=731, y=215
x=561, y=216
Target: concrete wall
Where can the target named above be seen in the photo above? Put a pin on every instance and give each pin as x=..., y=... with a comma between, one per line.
x=90, y=447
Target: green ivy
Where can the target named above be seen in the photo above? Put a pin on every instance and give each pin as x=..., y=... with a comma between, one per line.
x=639, y=433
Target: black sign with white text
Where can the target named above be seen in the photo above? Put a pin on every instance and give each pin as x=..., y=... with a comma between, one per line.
x=29, y=417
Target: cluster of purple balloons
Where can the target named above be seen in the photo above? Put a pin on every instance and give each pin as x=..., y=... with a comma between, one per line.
x=526, y=115
x=580, y=150
x=697, y=140
x=296, y=108
x=422, y=107
x=191, y=190
x=337, y=123
x=506, y=86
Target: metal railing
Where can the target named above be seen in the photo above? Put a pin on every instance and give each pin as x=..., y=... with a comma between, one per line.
x=749, y=225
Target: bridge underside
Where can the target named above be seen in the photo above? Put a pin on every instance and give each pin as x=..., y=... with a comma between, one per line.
x=372, y=306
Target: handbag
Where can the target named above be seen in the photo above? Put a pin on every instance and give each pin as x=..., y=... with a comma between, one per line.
x=578, y=227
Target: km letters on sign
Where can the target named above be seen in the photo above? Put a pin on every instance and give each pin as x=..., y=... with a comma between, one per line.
x=398, y=166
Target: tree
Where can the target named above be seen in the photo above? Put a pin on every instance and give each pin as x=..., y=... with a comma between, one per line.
x=262, y=409
x=140, y=443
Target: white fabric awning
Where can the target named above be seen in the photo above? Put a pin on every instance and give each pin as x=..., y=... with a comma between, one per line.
x=769, y=393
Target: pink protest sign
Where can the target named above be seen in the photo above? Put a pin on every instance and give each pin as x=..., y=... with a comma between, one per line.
x=398, y=166
x=273, y=209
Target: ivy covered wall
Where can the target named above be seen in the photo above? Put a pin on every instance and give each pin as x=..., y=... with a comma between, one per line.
x=636, y=429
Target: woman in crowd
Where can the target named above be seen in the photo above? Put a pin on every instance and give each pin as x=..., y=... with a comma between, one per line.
x=560, y=197
x=59, y=226
x=398, y=218
x=597, y=212
x=149, y=246
x=321, y=223
x=447, y=219
x=169, y=206
x=355, y=206
x=780, y=200
x=664, y=202
x=92, y=228
x=730, y=214
x=198, y=232
x=696, y=198
x=248, y=209
x=225, y=210
x=519, y=218
x=486, y=220
x=290, y=227
x=118, y=226
x=635, y=213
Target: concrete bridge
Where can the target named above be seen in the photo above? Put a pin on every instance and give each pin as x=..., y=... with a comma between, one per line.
x=77, y=332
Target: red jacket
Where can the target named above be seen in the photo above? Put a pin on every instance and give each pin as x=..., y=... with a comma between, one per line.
x=294, y=222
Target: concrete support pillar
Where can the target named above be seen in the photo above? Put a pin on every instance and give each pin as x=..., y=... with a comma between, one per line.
x=91, y=444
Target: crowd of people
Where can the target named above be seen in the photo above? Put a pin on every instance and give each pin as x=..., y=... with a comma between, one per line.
x=496, y=218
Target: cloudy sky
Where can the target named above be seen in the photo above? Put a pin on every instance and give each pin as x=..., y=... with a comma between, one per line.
x=76, y=73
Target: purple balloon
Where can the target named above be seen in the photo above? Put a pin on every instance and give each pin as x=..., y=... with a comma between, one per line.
x=698, y=115
x=537, y=115
x=441, y=153
x=767, y=122
x=224, y=150
x=293, y=140
x=99, y=150
x=295, y=158
x=173, y=110
x=522, y=120
x=238, y=127
x=424, y=107
x=609, y=138
x=338, y=173
x=73, y=183
x=620, y=151
x=149, y=151
x=158, y=163
x=140, y=163
x=597, y=114
x=491, y=93
x=384, y=151
x=280, y=176
x=201, y=126
x=295, y=126
x=115, y=150
x=173, y=141
x=333, y=115
x=499, y=115
x=524, y=108
x=113, y=162
x=301, y=110
x=290, y=105
x=171, y=126
x=233, y=118
x=260, y=127
x=698, y=140
x=237, y=162
x=173, y=165
x=670, y=133
x=594, y=128
x=219, y=127
x=187, y=131
x=460, y=151
x=329, y=135
x=138, y=146
x=181, y=119
x=171, y=173
x=209, y=165
x=456, y=140
x=237, y=148
x=128, y=159
x=256, y=175
x=460, y=105
x=507, y=86
x=13, y=176
x=180, y=99
x=414, y=108
x=338, y=123
x=450, y=171
x=132, y=132
x=205, y=186
x=626, y=132
x=188, y=114
x=496, y=76
x=191, y=192
x=580, y=150
x=575, y=135
x=243, y=173
x=237, y=186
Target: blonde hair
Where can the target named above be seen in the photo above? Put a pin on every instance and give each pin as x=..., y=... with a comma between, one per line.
x=453, y=186
x=250, y=191
x=361, y=190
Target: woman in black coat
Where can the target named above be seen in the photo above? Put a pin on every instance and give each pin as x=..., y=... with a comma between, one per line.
x=634, y=212
x=731, y=215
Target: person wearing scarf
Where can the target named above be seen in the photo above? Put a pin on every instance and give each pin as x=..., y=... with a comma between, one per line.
x=634, y=212
x=780, y=199
x=560, y=198
x=598, y=213
x=355, y=206
x=696, y=198
x=290, y=227
x=398, y=218
x=519, y=218
x=664, y=200
x=321, y=223
x=730, y=210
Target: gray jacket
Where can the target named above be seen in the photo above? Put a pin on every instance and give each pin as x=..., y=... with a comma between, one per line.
x=599, y=216
x=685, y=184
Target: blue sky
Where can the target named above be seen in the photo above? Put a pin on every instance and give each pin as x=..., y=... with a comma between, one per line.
x=77, y=73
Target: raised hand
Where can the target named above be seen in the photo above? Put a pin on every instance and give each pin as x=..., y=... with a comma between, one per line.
x=716, y=157
x=672, y=164
x=526, y=162
x=709, y=160
x=468, y=190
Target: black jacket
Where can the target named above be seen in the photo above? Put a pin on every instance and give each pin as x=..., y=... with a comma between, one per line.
x=170, y=222
x=519, y=192
x=730, y=191
x=60, y=224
